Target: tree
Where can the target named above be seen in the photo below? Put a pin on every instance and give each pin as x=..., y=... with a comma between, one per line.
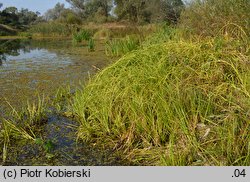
x=134, y=10
x=129, y=9
x=27, y=17
x=91, y=9
x=11, y=10
x=18, y=19
x=55, y=13
x=70, y=17
x=148, y=10
x=9, y=16
x=78, y=5
x=172, y=9
x=98, y=8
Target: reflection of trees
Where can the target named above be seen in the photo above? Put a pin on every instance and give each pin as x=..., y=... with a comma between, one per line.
x=12, y=47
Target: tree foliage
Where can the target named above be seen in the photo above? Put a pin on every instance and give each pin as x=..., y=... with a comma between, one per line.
x=138, y=11
x=55, y=13
x=62, y=14
x=78, y=6
x=149, y=10
x=92, y=9
x=18, y=19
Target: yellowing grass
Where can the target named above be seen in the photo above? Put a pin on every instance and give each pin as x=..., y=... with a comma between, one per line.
x=173, y=103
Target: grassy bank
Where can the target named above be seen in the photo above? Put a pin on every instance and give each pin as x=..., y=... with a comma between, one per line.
x=180, y=96
x=179, y=102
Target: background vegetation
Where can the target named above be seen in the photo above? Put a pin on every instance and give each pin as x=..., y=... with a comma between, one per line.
x=213, y=17
x=81, y=12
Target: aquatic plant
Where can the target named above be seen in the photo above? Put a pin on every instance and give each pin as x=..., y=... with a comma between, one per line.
x=32, y=114
x=83, y=35
x=178, y=102
x=47, y=145
x=61, y=98
x=24, y=124
x=119, y=47
x=91, y=45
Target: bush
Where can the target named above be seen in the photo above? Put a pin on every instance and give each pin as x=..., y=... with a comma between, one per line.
x=73, y=19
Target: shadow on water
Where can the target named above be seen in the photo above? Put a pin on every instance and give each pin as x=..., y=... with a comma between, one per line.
x=28, y=67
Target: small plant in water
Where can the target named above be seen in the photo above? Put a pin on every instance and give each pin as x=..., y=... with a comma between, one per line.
x=119, y=47
x=83, y=35
x=48, y=146
x=23, y=125
x=91, y=45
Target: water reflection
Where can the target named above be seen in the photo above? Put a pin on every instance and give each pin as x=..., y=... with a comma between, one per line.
x=31, y=66
x=12, y=47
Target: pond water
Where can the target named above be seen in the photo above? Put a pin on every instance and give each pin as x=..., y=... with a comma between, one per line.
x=30, y=67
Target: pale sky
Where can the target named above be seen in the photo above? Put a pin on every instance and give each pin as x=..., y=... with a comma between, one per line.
x=34, y=5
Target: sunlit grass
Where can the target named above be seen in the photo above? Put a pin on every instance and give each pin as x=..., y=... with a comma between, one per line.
x=23, y=124
x=118, y=47
x=83, y=35
x=188, y=100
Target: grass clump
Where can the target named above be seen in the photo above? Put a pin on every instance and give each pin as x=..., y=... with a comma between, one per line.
x=23, y=125
x=61, y=98
x=33, y=114
x=119, y=47
x=163, y=34
x=83, y=35
x=173, y=103
x=91, y=45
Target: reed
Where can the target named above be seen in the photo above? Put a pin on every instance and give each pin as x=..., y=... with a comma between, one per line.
x=52, y=29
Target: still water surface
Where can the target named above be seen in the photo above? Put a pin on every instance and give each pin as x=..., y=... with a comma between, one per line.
x=31, y=67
